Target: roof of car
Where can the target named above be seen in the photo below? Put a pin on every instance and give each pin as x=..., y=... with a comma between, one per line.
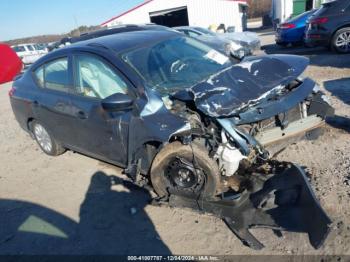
x=183, y=27
x=116, y=30
x=126, y=40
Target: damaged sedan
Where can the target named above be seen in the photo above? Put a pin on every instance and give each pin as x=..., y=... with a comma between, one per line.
x=182, y=119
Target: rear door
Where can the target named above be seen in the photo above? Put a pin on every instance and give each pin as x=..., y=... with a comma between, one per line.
x=99, y=133
x=52, y=106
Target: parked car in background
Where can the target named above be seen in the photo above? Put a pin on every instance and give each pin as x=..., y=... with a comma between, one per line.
x=10, y=64
x=27, y=53
x=225, y=46
x=330, y=26
x=249, y=41
x=292, y=31
x=41, y=48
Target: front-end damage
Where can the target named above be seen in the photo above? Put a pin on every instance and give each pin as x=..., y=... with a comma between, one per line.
x=239, y=118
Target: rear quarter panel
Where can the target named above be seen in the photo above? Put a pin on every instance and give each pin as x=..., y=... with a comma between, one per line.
x=22, y=100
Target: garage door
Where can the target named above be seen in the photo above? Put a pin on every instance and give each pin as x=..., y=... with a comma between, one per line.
x=170, y=17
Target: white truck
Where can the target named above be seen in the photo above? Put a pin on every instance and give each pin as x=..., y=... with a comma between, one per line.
x=28, y=53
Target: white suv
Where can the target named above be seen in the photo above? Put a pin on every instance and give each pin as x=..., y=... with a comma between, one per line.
x=27, y=52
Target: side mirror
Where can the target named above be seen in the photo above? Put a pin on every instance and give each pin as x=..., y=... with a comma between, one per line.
x=117, y=102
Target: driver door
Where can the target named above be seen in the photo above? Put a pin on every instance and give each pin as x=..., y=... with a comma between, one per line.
x=99, y=133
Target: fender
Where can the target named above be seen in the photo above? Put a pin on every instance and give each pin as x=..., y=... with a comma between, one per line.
x=154, y=124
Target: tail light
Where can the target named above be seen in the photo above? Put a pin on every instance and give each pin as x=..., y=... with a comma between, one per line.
x=320, y=20
x=287, y=26
x=12, y=91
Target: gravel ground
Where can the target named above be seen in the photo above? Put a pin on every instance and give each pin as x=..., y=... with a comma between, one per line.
x=83, y=209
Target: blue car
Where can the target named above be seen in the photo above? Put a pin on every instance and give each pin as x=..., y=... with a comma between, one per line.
x=292, y=31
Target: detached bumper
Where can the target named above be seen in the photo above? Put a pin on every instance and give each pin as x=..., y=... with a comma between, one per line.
x=285, y=201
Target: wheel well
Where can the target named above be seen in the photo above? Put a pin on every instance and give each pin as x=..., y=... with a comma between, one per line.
x=150, y=150
x=341, y=27
x=29, y=124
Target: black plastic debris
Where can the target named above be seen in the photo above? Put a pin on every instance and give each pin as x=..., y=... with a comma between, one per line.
x=284, y=202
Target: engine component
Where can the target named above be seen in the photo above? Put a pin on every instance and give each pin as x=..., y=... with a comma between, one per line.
x=229, y=156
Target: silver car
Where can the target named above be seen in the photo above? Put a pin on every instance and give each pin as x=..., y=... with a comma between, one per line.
x=234, y=42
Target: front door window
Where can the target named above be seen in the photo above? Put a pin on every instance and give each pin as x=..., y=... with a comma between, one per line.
x=95, y=78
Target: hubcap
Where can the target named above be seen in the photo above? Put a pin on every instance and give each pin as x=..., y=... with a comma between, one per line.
x=183, y=176
x=343, y=41
x=43, y=137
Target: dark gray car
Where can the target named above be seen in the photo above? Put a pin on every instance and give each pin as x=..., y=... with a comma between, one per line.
x=184, y=120
x=330, y=26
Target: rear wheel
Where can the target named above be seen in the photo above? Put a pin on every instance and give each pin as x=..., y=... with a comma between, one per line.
x=283, y=44
x=297, y=44
x=341, y=40
x=45, y=140
x=180, y=170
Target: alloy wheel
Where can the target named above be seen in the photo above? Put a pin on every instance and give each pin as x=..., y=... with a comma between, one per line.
x=43, y=137
x=343, y=42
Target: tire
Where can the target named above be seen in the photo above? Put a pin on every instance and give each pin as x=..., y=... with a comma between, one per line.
x=341, y=36
x=297, y=44
x=282, y=44
x=165, y=158
x=45, y=140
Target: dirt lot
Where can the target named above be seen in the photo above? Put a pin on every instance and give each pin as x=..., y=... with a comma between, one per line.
x=75, y=199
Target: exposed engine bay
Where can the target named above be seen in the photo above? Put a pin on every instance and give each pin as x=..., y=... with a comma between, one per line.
x=237, y=148
x=254, y=190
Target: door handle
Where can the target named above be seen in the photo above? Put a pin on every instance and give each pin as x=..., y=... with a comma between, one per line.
x=81, y=115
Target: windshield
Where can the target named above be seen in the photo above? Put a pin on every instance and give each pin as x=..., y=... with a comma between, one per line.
x=175, y=64
x=205, y=31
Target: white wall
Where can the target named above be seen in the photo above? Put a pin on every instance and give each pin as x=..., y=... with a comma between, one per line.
x=207, y=12
x=200, y=12
x=283, y=9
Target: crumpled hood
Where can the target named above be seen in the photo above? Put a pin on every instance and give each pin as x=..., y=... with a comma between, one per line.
x=253, y=80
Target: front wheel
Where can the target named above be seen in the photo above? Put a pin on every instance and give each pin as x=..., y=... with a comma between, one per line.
x=185, y=170
x=45, y=140
x=341, y=41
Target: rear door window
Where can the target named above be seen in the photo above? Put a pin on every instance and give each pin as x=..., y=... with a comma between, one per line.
x=54, y=75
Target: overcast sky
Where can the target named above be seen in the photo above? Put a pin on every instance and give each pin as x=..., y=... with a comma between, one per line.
x=23, y=18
